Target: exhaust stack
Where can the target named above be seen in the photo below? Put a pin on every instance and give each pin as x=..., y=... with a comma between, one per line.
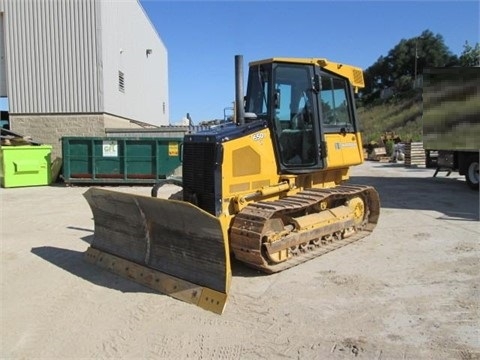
x=239, y=110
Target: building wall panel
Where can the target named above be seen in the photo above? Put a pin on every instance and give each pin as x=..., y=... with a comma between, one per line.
x=131, y=45
x=65, y=56
x=52, y=56
x=3, y=72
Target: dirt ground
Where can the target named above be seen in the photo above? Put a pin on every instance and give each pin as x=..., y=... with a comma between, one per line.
x=408, y=291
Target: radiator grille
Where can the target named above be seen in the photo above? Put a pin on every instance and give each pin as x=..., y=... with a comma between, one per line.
x=199, y=175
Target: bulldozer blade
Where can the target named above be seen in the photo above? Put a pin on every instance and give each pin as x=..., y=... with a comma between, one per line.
x=171, y=246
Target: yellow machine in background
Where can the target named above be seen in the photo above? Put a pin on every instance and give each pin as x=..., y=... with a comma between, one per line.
x=269, y=188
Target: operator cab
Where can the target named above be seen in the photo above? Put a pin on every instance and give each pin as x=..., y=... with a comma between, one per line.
x=301, y=103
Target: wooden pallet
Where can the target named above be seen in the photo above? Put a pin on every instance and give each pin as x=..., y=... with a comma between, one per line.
x=414, y=154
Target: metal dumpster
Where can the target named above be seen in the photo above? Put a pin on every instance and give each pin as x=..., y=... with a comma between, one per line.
x=27, y=165
x=120, y=160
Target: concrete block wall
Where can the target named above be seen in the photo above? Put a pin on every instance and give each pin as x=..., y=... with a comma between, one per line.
x=49, y=129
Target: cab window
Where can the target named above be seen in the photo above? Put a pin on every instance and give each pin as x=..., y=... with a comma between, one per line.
x=333, y=99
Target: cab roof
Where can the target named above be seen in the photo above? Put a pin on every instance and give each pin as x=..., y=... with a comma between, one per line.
x=353, y=73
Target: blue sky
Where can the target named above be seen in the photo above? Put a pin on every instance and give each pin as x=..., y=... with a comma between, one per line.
x=202, y=38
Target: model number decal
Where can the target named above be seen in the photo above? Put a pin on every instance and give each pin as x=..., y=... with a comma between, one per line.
x=258, y=136
x=339, y=145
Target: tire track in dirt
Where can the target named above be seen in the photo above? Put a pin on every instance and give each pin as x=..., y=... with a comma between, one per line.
x=140, y=323
x=117, y=342
x=48, y=324
x=357, y=303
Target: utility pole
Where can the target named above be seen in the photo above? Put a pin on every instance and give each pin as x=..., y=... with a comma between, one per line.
x=416, y=61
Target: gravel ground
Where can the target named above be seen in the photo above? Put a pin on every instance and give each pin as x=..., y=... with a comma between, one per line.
x=408, y=291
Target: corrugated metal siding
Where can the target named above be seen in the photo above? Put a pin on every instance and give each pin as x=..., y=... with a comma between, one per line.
x=53, y=56
x=3, y=71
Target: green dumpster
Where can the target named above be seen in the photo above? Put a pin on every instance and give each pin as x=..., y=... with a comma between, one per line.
x=26, y=165
x=123, y=160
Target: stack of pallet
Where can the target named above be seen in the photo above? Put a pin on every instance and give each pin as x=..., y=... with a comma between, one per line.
x=10, y=138
x=414, y=154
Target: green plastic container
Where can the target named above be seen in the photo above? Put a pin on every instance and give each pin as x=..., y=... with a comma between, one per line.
x=121, y=160
x=27, y=165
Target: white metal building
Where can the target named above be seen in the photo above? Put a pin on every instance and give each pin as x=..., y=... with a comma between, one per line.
x=79, y=67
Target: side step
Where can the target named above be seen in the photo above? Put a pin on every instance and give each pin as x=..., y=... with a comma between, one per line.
x=203, y=297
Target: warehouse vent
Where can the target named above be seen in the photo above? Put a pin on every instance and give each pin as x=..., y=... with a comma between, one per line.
x=121, y=82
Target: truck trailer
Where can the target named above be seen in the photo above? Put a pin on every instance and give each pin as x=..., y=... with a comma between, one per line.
x=451, y=120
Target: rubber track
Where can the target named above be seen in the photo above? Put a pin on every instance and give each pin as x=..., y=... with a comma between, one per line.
x=249, y=224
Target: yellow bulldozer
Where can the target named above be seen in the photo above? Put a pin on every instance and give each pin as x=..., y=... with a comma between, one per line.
x=268, y=188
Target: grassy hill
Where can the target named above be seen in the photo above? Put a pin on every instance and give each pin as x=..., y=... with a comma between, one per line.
x=401, y=114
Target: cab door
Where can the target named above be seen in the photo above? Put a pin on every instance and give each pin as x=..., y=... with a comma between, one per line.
x=338, y=126
x=294, y=115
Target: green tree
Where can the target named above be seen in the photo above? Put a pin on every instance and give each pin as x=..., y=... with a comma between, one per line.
x=470, y=56
x=405, y=61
